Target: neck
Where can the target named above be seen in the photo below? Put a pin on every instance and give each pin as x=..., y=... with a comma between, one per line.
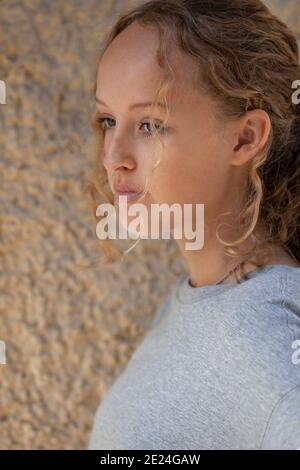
x=210, y=264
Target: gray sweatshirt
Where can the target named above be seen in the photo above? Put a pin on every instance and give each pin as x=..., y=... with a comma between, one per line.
x=218, y=369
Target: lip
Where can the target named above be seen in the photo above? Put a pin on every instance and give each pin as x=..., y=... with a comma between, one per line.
x=129, y=191
x=126, y=188
x=130, y=196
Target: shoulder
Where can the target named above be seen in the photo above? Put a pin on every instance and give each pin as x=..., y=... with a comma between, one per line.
x=272, y=298
x=166, y=305
x=282, y=430
x=270, y=309
x=160, y=313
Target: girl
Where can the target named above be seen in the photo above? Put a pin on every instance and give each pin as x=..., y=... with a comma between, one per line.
x=208, y=88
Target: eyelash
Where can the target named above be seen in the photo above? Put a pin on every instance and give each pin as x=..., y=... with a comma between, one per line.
x=101, y=120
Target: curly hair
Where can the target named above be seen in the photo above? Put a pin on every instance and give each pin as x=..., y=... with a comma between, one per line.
x=248, y=59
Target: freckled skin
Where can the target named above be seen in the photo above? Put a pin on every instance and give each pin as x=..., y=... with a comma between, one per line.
x=206, y=154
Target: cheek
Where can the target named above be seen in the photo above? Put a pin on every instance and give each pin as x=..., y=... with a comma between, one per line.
x=177, y=178
x=189, y=177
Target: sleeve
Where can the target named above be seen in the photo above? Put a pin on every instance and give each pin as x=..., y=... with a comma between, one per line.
x=283, y=427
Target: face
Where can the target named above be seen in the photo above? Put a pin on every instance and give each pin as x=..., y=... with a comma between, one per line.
x=196, y=167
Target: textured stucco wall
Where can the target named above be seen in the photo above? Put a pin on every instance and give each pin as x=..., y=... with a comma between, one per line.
x=68, y=331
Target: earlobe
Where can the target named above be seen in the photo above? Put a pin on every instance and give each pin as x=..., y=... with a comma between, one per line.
x=243, y=154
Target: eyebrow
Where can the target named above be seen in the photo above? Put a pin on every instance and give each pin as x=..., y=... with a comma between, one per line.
x=137, y=105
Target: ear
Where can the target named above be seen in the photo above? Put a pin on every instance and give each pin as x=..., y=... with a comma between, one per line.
x=252, y=132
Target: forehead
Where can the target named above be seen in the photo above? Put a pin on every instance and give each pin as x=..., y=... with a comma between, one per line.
x=129, y=69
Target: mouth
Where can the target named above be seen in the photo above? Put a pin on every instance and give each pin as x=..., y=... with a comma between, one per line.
x=130, y=196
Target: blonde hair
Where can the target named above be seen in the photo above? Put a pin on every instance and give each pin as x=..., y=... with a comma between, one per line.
x=248, y=59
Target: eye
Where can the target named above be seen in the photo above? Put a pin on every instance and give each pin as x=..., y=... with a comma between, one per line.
x=102, y=120
x=158, y=128
x=107, y=123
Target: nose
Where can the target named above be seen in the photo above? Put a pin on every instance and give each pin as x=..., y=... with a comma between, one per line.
x=116, y=157
x=117, y=162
